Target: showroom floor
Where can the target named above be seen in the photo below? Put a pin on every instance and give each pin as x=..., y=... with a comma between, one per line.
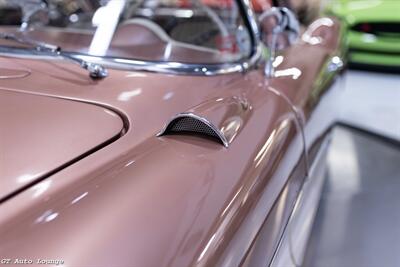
x=357, y=223
x=372, y=101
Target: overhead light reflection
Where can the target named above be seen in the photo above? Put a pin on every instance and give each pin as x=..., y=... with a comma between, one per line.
x=79, y=198
x=40, y=188
x=168, y=95
x=233, y=199
x=129, y=163
x=129, y=61
x=263, y=151
x=136, y=74
x=26, y=178
x=51, y=217
x=206, y=248
x=275, y=135
x=278, y=60
x=231, y=127
x=308, y=35
x=47, y=216
x=125, y=96
x=294, y=72
x=167, y=51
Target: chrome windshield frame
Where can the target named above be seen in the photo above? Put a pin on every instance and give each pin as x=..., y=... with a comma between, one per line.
x=168, y=67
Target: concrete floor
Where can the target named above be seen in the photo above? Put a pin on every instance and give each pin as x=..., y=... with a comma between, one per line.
x=372, y=101
x=358, y=220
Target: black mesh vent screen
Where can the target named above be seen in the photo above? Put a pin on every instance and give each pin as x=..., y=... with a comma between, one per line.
x=192, y=126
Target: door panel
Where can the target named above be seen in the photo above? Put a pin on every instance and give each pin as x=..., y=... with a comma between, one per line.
x=317, y=61
x=305, y=77
x=283, y=183
x=268, y=238
x=293, y=244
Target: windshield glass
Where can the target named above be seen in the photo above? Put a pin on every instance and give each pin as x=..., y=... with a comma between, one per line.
x=191, y=31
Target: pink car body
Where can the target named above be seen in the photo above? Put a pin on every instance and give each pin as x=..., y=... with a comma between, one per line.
x=91, y=174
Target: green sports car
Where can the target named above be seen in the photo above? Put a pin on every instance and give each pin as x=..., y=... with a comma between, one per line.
x=374, y=30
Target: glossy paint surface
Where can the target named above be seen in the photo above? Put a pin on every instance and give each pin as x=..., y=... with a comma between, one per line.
x=117, y=188
x=33, y=127
x=173, y=200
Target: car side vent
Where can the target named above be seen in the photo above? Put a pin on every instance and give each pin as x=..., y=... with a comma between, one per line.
x=188, y=123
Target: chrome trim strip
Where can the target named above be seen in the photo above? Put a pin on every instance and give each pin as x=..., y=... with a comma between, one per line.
x=202, y=119
x=168, y=67
x=138, y=65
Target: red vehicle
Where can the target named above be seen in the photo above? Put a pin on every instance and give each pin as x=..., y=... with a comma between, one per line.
x=159, y=148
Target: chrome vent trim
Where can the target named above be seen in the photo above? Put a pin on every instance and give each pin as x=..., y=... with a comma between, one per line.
x=192, y=123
